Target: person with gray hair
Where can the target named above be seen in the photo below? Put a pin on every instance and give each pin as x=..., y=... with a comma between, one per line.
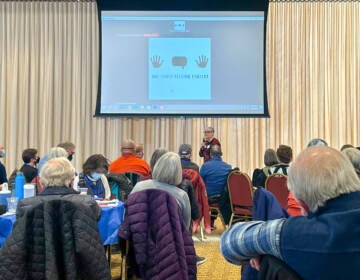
x=156, y=155
x=57, y=152
x=317, y=142
x=208, y=141
x=69, y=148
x=259, y=175
x=167, y=175
x=57, y=172
x=353, y=155
x=56, y=234
x=322, y=245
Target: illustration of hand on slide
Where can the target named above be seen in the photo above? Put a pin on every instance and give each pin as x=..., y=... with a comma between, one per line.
x=156, y=61
x=202, y=62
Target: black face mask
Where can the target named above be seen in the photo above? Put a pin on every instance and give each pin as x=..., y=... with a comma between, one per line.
x=70, y=157
x=37, y=160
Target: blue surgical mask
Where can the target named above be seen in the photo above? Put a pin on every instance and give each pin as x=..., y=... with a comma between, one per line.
x=96, y=176
x=3, y=153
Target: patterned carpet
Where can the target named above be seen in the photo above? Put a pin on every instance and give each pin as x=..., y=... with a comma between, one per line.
x=215, y=267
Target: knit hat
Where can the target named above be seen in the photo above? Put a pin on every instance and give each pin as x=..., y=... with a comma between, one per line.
x=185, y=150
x=284, y=154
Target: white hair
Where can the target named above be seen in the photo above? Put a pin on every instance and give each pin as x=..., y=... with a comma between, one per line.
x=57, y=172
x=319, y=174
x=168, y=169
x=353, y=155
x=57, y=152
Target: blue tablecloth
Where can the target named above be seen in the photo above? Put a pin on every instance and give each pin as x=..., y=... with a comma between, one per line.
x=109, y=223
x=6, y=223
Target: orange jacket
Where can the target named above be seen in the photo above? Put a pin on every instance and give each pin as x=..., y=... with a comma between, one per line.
x=129, y=163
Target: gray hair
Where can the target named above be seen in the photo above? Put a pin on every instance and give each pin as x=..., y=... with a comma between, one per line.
x=317, y=142
x=319, y=174
x=156, y=155
x=168, y=169
x=215, y=151
x=353, y=155
x=57, y=152
x=270, y=157
x=67, y=145
x=57, y=172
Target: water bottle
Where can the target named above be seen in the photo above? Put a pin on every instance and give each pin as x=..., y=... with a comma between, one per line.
x=19, y=185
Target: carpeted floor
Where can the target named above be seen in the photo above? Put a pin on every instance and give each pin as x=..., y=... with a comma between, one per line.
x=215, y=267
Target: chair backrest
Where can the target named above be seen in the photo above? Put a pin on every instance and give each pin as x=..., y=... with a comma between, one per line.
x=133, y=177
x=240, y=189
x=277, y=185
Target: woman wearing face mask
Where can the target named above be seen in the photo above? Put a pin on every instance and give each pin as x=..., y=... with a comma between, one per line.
x=94, y=170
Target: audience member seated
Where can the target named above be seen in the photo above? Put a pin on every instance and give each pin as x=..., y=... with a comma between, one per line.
x=31, y=159
x=128, y=162
x=322, y=245
x=56, y=233
x=214, y=173
x=284, y=155
x=260, y=175
x=3, y=176
x=185, y=153
x=67, y=146
x=345, y=146
x=94, y=170
x=139, y=150
x=317, y=142
x=353, y=155
x=185, y=185
x=167, y=175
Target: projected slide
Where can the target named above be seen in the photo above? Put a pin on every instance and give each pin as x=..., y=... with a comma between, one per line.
x=182, y=63
x=179, y=69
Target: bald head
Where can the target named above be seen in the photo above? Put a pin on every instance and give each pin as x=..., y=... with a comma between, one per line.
x=128, y=147
x=319, y=174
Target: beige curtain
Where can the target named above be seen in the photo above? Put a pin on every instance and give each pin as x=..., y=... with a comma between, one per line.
x=49, y=74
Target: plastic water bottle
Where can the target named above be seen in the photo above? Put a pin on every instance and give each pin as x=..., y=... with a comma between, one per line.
x=19, y=185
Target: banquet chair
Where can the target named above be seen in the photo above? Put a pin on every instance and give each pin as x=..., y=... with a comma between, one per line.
x=277, y=185
x=216, y=213
x=133, y=177
x=241, y=196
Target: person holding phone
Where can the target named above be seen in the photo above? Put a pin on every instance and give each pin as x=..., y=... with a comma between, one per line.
x=208, y=141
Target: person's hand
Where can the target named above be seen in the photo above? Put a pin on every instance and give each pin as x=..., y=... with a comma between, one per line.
x=156, y=61
x=255, y=263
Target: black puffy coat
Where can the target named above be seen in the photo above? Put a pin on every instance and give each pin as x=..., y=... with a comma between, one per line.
x=55, y=237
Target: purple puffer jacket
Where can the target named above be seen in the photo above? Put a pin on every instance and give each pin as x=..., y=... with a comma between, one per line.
x=162, y=244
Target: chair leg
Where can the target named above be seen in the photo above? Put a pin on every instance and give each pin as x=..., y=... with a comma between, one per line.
x=231, y=219
x=202, y=231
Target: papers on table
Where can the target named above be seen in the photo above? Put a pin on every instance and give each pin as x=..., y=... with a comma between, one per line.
x=108, y=203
